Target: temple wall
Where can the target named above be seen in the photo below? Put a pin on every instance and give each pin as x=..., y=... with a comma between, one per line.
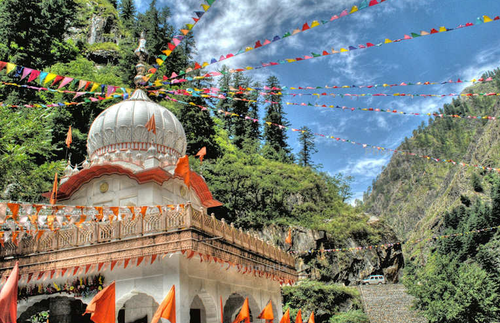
x=199, y=285
x=120, y=190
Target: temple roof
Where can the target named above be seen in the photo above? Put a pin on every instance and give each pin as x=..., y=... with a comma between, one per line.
x=157, y=175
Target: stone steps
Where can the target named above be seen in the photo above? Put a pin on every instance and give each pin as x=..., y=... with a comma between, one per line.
x=389, y=304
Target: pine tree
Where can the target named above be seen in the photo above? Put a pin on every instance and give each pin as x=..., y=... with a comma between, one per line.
x=198, y=126
x=241, y=126
x=253, y=133
x=275, y=137
x=224, y=83
x=128, y=13
x=114, y=3
x=307, y=147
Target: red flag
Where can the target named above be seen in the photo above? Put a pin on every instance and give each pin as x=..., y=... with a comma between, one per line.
x=69, y=137
x=8, y=297
x=288, y=239
x=202, y=153
x=53, y=195
x=286, y=317
x=267, y=313
x=244, y=314
x=182, y=169
x=166, y=309
x=151, y=124
x=102, y=306
x=298, y=319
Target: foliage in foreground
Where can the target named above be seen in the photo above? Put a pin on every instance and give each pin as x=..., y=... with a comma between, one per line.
x=460, y=280
x=324, y=300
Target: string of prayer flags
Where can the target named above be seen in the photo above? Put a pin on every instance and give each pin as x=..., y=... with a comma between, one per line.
x=352, y=109
x=326, y=53
x=177, y=40
x=60, y=104
x=248, y=90
x=45, y=79
x=363, y=145
x=258, y=43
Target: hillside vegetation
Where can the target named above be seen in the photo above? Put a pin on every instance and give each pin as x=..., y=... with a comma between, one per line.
x=411, y=193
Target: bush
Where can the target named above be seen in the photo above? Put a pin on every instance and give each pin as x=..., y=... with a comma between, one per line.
x=356, y=316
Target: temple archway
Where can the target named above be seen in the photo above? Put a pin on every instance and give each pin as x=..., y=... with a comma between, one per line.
x=203, y=309
x=61, y=309
x=233, y=306
x=136, y=308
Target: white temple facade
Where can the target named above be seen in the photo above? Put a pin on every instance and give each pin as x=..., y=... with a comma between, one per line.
x=132, y=219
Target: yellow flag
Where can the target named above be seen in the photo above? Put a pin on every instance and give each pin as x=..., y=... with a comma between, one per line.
x=343, y=50
x=249, y=68
x=248, y=49
x=487, y=19
x=442, y=29
x=354, y=9
x=50, y=77
x=387, y=41
x=94, y=87
x=205, y=6
x=159, y=61
x=190, y=26
x=167, y=52
x=315, y=23
x=10, y=67
x=290, y=60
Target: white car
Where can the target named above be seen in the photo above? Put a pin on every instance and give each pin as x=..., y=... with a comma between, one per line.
x=374, y=280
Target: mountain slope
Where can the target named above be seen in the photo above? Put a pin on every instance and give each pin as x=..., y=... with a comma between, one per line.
x=411, y=192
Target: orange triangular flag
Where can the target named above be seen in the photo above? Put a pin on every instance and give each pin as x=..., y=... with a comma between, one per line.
x=298, y=319
x=202, y=153
x=311, y=318
x=53, y=195
x=102, y=306
x=267, y=313
x=288, y=239
x=151, y=124
x=221, y=311
x=244, y=314
x=286, y=317
x=8, y=297
x=166, y=309
x=182, y=169
x=69, y=137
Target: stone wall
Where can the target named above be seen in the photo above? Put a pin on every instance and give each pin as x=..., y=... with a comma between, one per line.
x=389, y=304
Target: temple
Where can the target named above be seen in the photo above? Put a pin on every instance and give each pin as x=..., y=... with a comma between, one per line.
x=130, y=215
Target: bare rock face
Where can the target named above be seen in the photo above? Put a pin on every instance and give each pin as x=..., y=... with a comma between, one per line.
x=347, y=266
x=103, y=57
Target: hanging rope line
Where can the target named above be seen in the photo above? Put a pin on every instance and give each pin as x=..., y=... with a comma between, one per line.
x=177, y=40
x=315, y=23
x=433, y=31
x=343, y=140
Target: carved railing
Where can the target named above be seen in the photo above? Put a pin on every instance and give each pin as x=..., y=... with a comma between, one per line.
x=153, y=222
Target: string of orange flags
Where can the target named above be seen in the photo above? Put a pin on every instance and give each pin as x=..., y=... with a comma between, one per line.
x=343, y=108
x=177, y=40
x=389, y=245
x=52, y=79
x=343, y=140
x=243, y=90
x=37, y=277
x=258, y=44
x=34, y=219
x=346, y=49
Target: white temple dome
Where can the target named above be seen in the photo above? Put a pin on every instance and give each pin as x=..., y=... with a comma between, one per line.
x=122, y=127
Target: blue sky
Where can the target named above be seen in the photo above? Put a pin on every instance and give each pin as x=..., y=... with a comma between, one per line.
x=233, y=24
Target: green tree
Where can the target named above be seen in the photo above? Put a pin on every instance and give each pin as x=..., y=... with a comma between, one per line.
x=128, y=13
x=225, y=83
x=307, y=147
x=241, y=126
x=448, y=291
x=32, y=31
x=275, y=137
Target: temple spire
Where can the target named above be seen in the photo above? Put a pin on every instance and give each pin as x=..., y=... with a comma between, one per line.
x=142, y=53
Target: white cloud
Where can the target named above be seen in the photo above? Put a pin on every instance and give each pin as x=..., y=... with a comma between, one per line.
x=367, y=167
